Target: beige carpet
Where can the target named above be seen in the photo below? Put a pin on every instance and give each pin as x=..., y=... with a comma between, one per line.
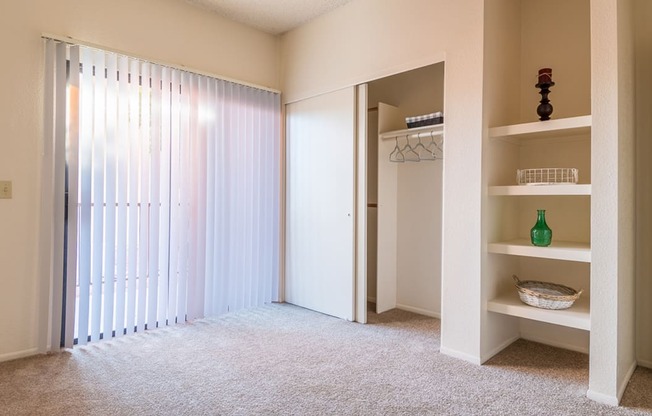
x=284, y=360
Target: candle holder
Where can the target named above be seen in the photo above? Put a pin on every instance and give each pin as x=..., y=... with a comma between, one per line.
x=545, y=108
x=545, y=82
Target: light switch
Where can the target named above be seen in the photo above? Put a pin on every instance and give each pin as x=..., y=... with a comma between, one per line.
x=5, y=189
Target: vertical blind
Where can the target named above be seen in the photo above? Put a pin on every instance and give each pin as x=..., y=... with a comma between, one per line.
x=170, y=183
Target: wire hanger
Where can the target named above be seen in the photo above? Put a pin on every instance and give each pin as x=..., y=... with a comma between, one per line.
x=397, y=155
x=410, y=154
x=424, y=154
x=434, y=148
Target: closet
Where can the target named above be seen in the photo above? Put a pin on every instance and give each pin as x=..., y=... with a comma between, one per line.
x=404, y=192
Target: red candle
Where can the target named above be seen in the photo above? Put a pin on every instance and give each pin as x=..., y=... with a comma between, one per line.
x=545, y=76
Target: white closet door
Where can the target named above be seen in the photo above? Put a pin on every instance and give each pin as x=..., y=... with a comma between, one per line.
x=320, y=202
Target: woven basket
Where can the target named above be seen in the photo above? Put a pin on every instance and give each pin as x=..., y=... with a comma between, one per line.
x=546, y=295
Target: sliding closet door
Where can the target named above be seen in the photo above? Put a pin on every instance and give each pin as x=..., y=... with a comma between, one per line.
x=320, y=205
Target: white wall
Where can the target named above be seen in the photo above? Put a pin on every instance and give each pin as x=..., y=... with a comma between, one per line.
x=643, y=10
x=556, y=34
x=371, y=39
x=612, y=199
x=163, y=30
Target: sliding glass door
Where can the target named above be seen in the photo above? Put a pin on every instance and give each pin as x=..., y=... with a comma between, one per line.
x=173, y=183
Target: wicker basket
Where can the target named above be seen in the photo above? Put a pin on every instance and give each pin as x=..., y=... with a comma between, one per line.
x=547, y=176
x=546, y=295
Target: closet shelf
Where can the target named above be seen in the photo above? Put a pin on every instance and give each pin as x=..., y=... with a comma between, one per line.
x=522, y=190
x=414, y=132
x=552, y=128
x=558, y=250
x=577, y=316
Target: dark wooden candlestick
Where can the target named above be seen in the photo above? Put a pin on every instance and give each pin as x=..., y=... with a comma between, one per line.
x=545, y=108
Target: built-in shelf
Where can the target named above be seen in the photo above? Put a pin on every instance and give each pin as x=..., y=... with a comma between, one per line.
x=551, y=128
x=521, y=190
x=558, y=250
x=413, y=132
x=577, y=316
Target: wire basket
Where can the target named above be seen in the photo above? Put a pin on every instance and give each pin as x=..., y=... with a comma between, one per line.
x=546, y=295
x=547, y=176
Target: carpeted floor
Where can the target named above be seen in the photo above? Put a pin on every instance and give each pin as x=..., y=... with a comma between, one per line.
x=284, y=360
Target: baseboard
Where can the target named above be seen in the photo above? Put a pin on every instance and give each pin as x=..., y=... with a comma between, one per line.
x=510, y=341
x=460, y=355
x=370, y=299
x=645, y=363
x=602, y=398
x=18, y=354
x=613, y=400
x=545, y=341
x=418, y=310
x=623, y=384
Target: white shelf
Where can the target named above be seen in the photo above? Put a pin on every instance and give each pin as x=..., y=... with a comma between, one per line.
x=435, y=128
x=577, y=316
x=521, y=190
x=551, y=128
x=558, y=250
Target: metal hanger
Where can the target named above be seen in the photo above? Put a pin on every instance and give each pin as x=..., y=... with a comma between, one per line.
x=424, y=154
x=434, y=148
x=408, y=151
x=397, y=155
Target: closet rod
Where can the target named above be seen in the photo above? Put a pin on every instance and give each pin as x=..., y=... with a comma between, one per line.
x=422, y=135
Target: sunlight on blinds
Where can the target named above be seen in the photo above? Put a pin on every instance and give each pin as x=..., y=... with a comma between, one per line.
x=173, y=187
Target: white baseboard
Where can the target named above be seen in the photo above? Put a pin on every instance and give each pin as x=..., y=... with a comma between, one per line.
x=370, y=299
x=487, y=356
x=418, y=310
x=645, y=363
x=602, y=398
x=623, y=384
x=613, y=400
x=18, y=354
x=460, y=355
x=571, y=347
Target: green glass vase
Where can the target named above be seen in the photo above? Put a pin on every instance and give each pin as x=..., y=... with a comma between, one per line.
x=541, y=234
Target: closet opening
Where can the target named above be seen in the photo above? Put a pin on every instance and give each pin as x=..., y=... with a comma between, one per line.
x=404, y=194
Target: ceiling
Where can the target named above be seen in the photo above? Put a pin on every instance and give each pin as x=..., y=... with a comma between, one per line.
x=271, y=16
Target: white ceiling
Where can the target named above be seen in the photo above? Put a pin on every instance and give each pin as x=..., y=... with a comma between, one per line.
x=271, y=16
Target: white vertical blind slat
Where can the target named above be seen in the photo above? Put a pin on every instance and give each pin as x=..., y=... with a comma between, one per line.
x=247, y=173
x=209, y=304
x=133, y=202
x=110, y=192
x=185, y=189
x=145, y=143
x=85, y=174
x=155, y=189
x=122, y=149
x=175, y=207
x=221, y=293
x=195, y=280
x=164, y=222
x=201, y=117
x=58, y=178
x=47, y=193
x=72, y=161
x=99, y=138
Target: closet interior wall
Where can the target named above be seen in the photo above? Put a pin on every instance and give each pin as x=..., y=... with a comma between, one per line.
x=419, y=204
